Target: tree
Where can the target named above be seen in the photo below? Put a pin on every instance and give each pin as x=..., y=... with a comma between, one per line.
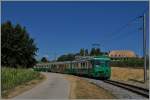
x=92, y=53
x=68, y=57
x=6, y=33
x=44, y=59
x=18, y=49
x=97, y=52
x=81, y=52
x=105, y=53
x=86, y=52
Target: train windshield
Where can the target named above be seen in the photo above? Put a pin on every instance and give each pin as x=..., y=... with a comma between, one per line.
x=97, y=62
x=101, y=63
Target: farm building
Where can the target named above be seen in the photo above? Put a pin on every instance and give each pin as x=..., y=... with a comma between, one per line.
x=122, y=54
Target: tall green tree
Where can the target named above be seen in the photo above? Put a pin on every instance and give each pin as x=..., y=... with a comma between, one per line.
x=18, y=49
x=68, y=57
x=82, y=52
x=44, y=59
x=92, y=53
x=97, y=52
x=86, y=52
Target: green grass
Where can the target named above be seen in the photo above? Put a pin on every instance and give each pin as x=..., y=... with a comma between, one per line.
x=11, y=77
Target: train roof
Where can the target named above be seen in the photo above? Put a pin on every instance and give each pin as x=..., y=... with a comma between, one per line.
x=105, y=58
x=83, y=59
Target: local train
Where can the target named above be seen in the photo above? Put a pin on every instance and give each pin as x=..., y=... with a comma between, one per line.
x=97, y=67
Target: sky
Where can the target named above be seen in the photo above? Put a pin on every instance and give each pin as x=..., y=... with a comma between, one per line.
x=65, y=27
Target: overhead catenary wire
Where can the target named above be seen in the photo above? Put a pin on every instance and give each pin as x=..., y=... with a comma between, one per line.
x=123, y=27
x=116, y=33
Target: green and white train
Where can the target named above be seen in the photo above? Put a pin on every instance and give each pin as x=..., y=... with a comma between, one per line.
x=97, y=67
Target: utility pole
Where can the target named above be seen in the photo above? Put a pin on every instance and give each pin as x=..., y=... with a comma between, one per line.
x=55, y=56
x=144, y=46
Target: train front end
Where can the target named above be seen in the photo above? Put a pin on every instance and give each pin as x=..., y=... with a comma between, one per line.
x=101, y=67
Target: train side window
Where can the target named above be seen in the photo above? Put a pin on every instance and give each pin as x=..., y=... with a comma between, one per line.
x=97, y=62
x=89, y=65
x=73, y=65
x=80, y=64
x=83, y=64
x=86, y=65
x=69, y=65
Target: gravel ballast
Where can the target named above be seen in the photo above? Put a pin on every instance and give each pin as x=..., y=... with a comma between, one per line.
x=120, y=93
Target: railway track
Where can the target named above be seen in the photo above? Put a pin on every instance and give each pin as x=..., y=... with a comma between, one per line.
x=139, y=90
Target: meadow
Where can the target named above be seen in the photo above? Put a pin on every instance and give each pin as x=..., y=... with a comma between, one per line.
x=128, y=73
x=10, y=77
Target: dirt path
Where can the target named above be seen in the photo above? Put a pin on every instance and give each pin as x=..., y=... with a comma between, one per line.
x=62, y=86
x=54, y=87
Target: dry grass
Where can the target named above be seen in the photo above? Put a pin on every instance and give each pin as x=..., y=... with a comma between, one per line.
x=24, y=87
x=126, y=74
x=82, y=89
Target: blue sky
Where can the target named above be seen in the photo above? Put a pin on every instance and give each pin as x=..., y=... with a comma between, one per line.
x=65, y=27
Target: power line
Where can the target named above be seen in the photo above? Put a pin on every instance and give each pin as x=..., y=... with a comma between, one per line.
x=129, y=23
x=117, y=32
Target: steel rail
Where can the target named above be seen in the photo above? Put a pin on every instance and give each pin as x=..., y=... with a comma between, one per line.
x=138, y=90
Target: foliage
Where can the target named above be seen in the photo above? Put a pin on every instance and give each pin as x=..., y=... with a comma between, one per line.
x=44, y=59
x=81, y=52
x=11, y=77
x=68, y=57
x=95, y=52
x=86, y=52
x=130, y=62
x=92, y=52
x=18, y=49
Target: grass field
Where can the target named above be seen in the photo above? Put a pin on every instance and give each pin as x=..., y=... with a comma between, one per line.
x=127, y=73
x=10, y=78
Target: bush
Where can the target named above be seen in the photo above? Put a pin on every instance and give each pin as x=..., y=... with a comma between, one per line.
x=128, y=63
